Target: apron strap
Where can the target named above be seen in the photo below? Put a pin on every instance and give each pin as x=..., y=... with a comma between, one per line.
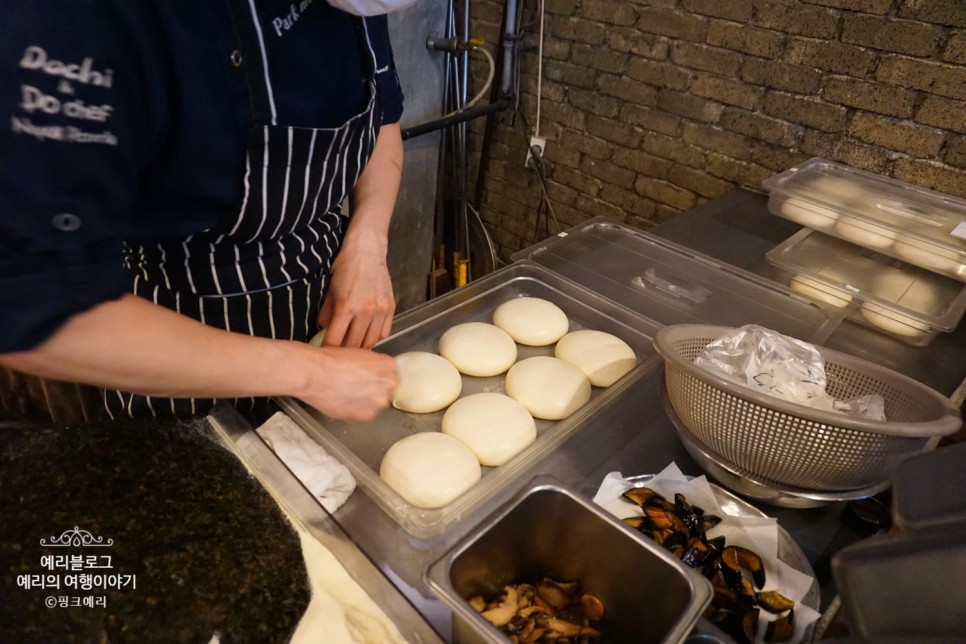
x=251, y=42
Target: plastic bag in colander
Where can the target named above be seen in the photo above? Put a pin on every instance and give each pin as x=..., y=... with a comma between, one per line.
x=783, y=367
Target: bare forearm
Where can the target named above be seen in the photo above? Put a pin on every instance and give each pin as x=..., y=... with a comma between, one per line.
x=374, y=195
x=136, y=346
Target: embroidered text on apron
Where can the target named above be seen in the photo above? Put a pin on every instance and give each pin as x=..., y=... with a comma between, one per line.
x=262, y=271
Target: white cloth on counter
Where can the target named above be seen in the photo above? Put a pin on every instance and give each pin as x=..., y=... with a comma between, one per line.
x=325, y=477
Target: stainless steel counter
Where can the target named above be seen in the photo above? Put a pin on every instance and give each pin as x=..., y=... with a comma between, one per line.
x=633, y=435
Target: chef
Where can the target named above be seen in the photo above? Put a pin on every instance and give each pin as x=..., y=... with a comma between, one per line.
x=171, y=181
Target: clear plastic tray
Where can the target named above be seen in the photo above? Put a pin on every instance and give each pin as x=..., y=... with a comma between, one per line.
x=671, y=284
x=361, y=446
x=913, y=224
x=898, y=299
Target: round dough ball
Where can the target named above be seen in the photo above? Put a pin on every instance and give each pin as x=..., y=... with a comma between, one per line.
x=427, y=382
x=494, y=426
x=864, y=233
x=808, y=214
x=893, y=321
x=604, y=358
x=429, y=469
x=478, y=348
x=833, y=189
x=532, y=321
x=934, y=259
x=548, y=387
x=810, y=287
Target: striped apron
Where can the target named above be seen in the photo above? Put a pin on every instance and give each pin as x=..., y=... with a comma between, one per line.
x=262, y=271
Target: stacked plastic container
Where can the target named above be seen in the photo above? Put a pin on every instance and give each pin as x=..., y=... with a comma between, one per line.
x=891, y=254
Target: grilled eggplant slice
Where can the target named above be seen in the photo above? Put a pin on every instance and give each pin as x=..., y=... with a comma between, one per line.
x=781, y=629
x=774, y=602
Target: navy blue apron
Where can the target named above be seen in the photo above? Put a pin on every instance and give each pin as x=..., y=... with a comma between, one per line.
x=262, y=271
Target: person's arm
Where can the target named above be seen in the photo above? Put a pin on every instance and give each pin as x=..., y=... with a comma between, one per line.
x=359, y=305
x=133, y=345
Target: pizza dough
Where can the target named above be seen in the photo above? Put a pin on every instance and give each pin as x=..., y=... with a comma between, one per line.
x=427, y=382
x=810, y=287
x=430, y=469
x=934, y=259
x=548, y=387
x=808, y=214
x=865, y=233
x=478, y=349
x=892, y=321
x=837, y=190
x=604, y=358
x=494, y=426
x=532, y=321
x=912, y=295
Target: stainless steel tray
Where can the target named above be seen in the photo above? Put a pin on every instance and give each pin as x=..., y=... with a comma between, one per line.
x=361, y=446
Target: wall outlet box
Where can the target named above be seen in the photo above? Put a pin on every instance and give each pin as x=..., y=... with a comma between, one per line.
x=535, y=142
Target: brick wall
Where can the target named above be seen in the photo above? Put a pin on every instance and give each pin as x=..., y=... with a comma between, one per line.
x=651, y=107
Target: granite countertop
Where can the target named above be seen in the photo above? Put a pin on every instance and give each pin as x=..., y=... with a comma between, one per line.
x=197, y=547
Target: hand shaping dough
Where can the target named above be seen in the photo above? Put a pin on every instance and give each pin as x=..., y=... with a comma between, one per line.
x=808, y=214
x=430, y=469
x=532, y=321
x=494, y=426
x=817, y=290
x=548, y=387
x=603, y=357
x=478, y=349
x=427, y=382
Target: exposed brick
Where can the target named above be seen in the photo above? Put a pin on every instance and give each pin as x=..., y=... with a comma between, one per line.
x=739, y=172
x=563, y=115
x=710, y=59
x=865, y=6
x=608, y=172
x=726, y=90
x=791, y=78
x=758, y=126
x=738, y=10
x=875, y=97
x=663, y=213
x=664, y=192
x=672, y=23
x=599, y=58
x=577, y=180
x=660, y=74
x=631, y=203
x=610, y=13
x=931, y=175
x=599, y=208
x=902, y=36
x=688, y=106
x=673, y=149
x=575, y=29
x=614, y=131
x=698, y=182
x=643, y=221
x=955, y=51
x=859, y=155
x=716, y=139
x=558, y=155
x=773, y=157
x=627, y=89
x=557, y=49
x=796, y=19
x=632, y=41
x=554, y=91
x=830, y=56
x=943, y=12
x=568, y=73
x=818, y=144
x=935, y=78
x=584, y=144
x=903, y=136
x=650, y=119
x=942, y=112
x=751, y=40
x=561, y=7
x=955, y=152
x=594, y=103
x=810, y=112
x=641, y=162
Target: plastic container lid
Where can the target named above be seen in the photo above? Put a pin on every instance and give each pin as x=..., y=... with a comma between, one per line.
x=916, y=225
x=885, y=294
x=671, y=284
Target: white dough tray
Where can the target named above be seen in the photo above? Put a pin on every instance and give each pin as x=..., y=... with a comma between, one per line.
x=361, y=446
